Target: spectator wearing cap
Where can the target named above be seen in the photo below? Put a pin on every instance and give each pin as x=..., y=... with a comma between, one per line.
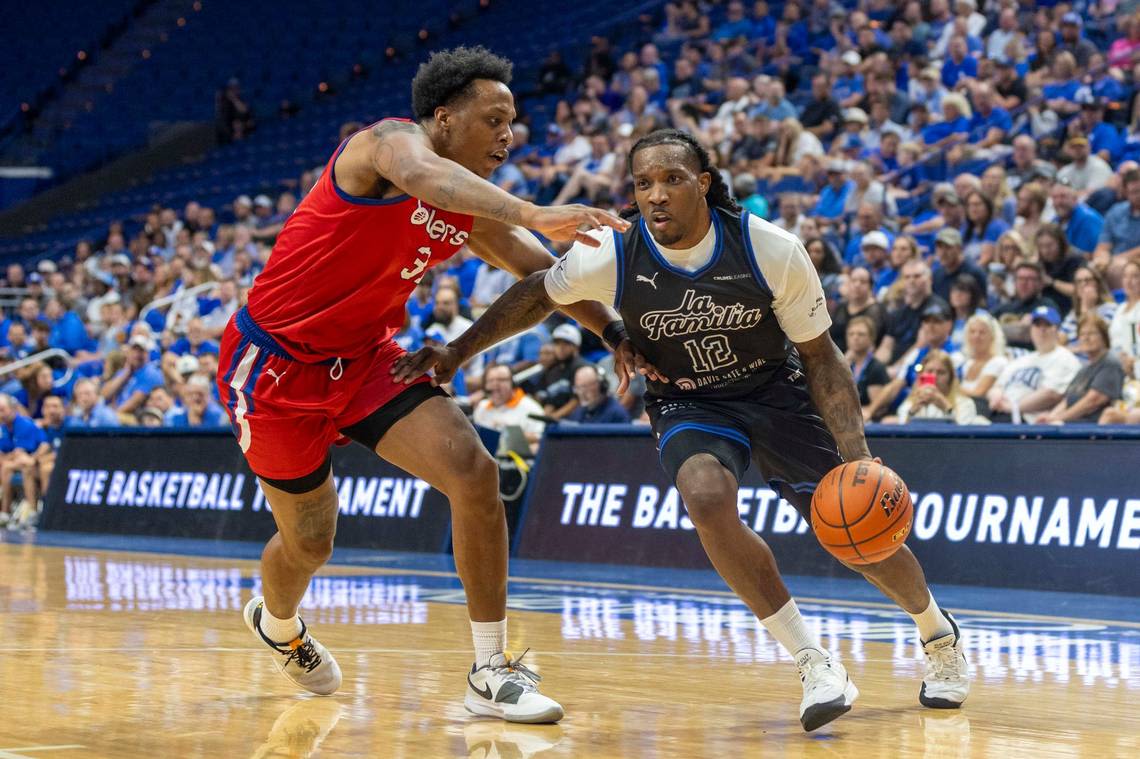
x=833, y=196
x=935, y=327
x=553, y=387
x=951, y=263
x=1097, y=384
x=505, y=405
x=1058, y=265
x=1104, y=138
x=127, y=388
x=1120, y=236
x=596, y=404
x=873, y=257
x=868, y=217
x=949, y=212
x=904, y=321
x=1084, y=172
x=927, y=90
x=1073, y=41
x=821, y=114
x=848, y=86
x=1014, y=316
x=88, y=410
x=197, y=409
x=1033, y=384
x=959, y=64
x=243, y=212
x=1081, y=225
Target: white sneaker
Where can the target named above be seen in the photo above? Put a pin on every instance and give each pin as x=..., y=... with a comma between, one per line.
x=300, y=729
x=947, y=680
x=303, y=660
x=506, y=689
x=828, y=691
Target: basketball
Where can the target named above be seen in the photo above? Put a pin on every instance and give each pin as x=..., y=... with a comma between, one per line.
x=861, y=512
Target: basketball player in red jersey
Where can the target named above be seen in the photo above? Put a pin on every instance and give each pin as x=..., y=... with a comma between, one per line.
x=306, y=363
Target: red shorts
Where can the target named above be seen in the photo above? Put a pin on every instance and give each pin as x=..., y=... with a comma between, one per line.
x=285, y=413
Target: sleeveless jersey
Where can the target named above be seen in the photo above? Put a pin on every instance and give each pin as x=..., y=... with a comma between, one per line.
x=343, y=268
x=712, y=331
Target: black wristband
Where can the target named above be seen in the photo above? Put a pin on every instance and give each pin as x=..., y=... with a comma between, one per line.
x=614, y=333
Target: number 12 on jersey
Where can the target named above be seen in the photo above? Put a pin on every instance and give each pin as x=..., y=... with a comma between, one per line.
x=710, y=353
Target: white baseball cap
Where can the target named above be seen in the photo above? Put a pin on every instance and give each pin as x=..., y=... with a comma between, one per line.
x=569, y=333
x=874, y=239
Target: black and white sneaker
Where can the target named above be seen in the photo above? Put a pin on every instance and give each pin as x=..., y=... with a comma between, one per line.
x=303, y=660
x=947, y=680
x=507, y=689
x=828, y=691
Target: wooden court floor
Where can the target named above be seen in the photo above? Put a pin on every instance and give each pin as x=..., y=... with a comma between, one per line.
x=140, y=655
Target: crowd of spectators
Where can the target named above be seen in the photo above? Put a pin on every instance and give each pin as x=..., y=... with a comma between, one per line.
x=962, y=177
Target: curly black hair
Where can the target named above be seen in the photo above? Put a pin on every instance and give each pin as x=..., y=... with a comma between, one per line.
x=448, y=74
x=718, y=195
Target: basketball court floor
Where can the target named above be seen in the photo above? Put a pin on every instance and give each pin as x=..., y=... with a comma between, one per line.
x=129, y=647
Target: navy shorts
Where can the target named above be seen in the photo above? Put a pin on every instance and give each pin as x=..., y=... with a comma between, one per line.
x=775, y=426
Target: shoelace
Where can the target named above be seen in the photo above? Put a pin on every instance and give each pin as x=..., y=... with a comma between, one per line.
x=944, y=664
x=517, y=672
x=304, y=654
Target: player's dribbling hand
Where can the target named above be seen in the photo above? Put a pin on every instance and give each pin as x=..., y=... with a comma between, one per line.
x=443, y=359
x=571, y=223
x=627, y=361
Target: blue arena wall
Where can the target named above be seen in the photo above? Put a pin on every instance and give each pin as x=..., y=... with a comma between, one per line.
x=1026, y=507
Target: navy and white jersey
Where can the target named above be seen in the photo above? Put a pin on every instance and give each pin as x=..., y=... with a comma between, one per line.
x=716, y=319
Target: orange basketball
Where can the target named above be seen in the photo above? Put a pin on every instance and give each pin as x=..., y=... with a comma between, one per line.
x=861, y=512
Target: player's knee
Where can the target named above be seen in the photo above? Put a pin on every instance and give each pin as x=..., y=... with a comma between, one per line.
x=708, y=490
x=476, y=475
x=313, y=551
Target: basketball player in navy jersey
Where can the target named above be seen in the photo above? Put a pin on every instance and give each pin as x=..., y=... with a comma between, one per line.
x=729, y=308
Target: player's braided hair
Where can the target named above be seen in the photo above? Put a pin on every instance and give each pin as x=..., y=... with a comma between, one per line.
x=448, y=75
x=718, y=195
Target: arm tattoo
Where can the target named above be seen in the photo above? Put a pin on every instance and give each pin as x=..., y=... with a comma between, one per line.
x=833, y=391
x=316, y=517
x=389, y=126
x=521, y=307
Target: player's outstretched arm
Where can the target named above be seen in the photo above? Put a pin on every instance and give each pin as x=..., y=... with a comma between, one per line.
x=834, y=393
x=402, y=155
x=521, y=307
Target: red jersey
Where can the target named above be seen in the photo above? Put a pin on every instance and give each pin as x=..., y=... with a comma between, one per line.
x=342, y=270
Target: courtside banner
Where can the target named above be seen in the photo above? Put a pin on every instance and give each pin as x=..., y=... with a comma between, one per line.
x=1056, y=511
x=198, y=485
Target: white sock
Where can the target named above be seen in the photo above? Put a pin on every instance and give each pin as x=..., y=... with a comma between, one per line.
x=787, y=627
x=932, y=623
x=279, y=630
x=490, y=638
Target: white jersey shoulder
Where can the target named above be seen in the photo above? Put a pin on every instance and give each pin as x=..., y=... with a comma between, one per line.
x=798, y=299
x=585, y=273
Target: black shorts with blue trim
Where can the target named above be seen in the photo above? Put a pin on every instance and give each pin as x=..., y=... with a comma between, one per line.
x=776, y=427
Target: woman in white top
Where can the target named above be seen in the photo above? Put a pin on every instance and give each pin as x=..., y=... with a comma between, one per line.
x=1124, y=332
x=984, y=349
x=936, y=394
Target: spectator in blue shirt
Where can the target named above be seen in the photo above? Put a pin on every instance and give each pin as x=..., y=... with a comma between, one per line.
x=128, y=388
x=955, y=124
x=595, y=404
x=833, y=197
x=1120, y=235
x=848, y=86
x=195, y=341
x=775, y=104
x=1104, y=138
x=197, y=409
x=736, y=24
x=990, y=124
x=1081, y=224
x=1061, y=92
x=959, y=63
x=88, y=409
x=19, y=439
x=983, y=227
